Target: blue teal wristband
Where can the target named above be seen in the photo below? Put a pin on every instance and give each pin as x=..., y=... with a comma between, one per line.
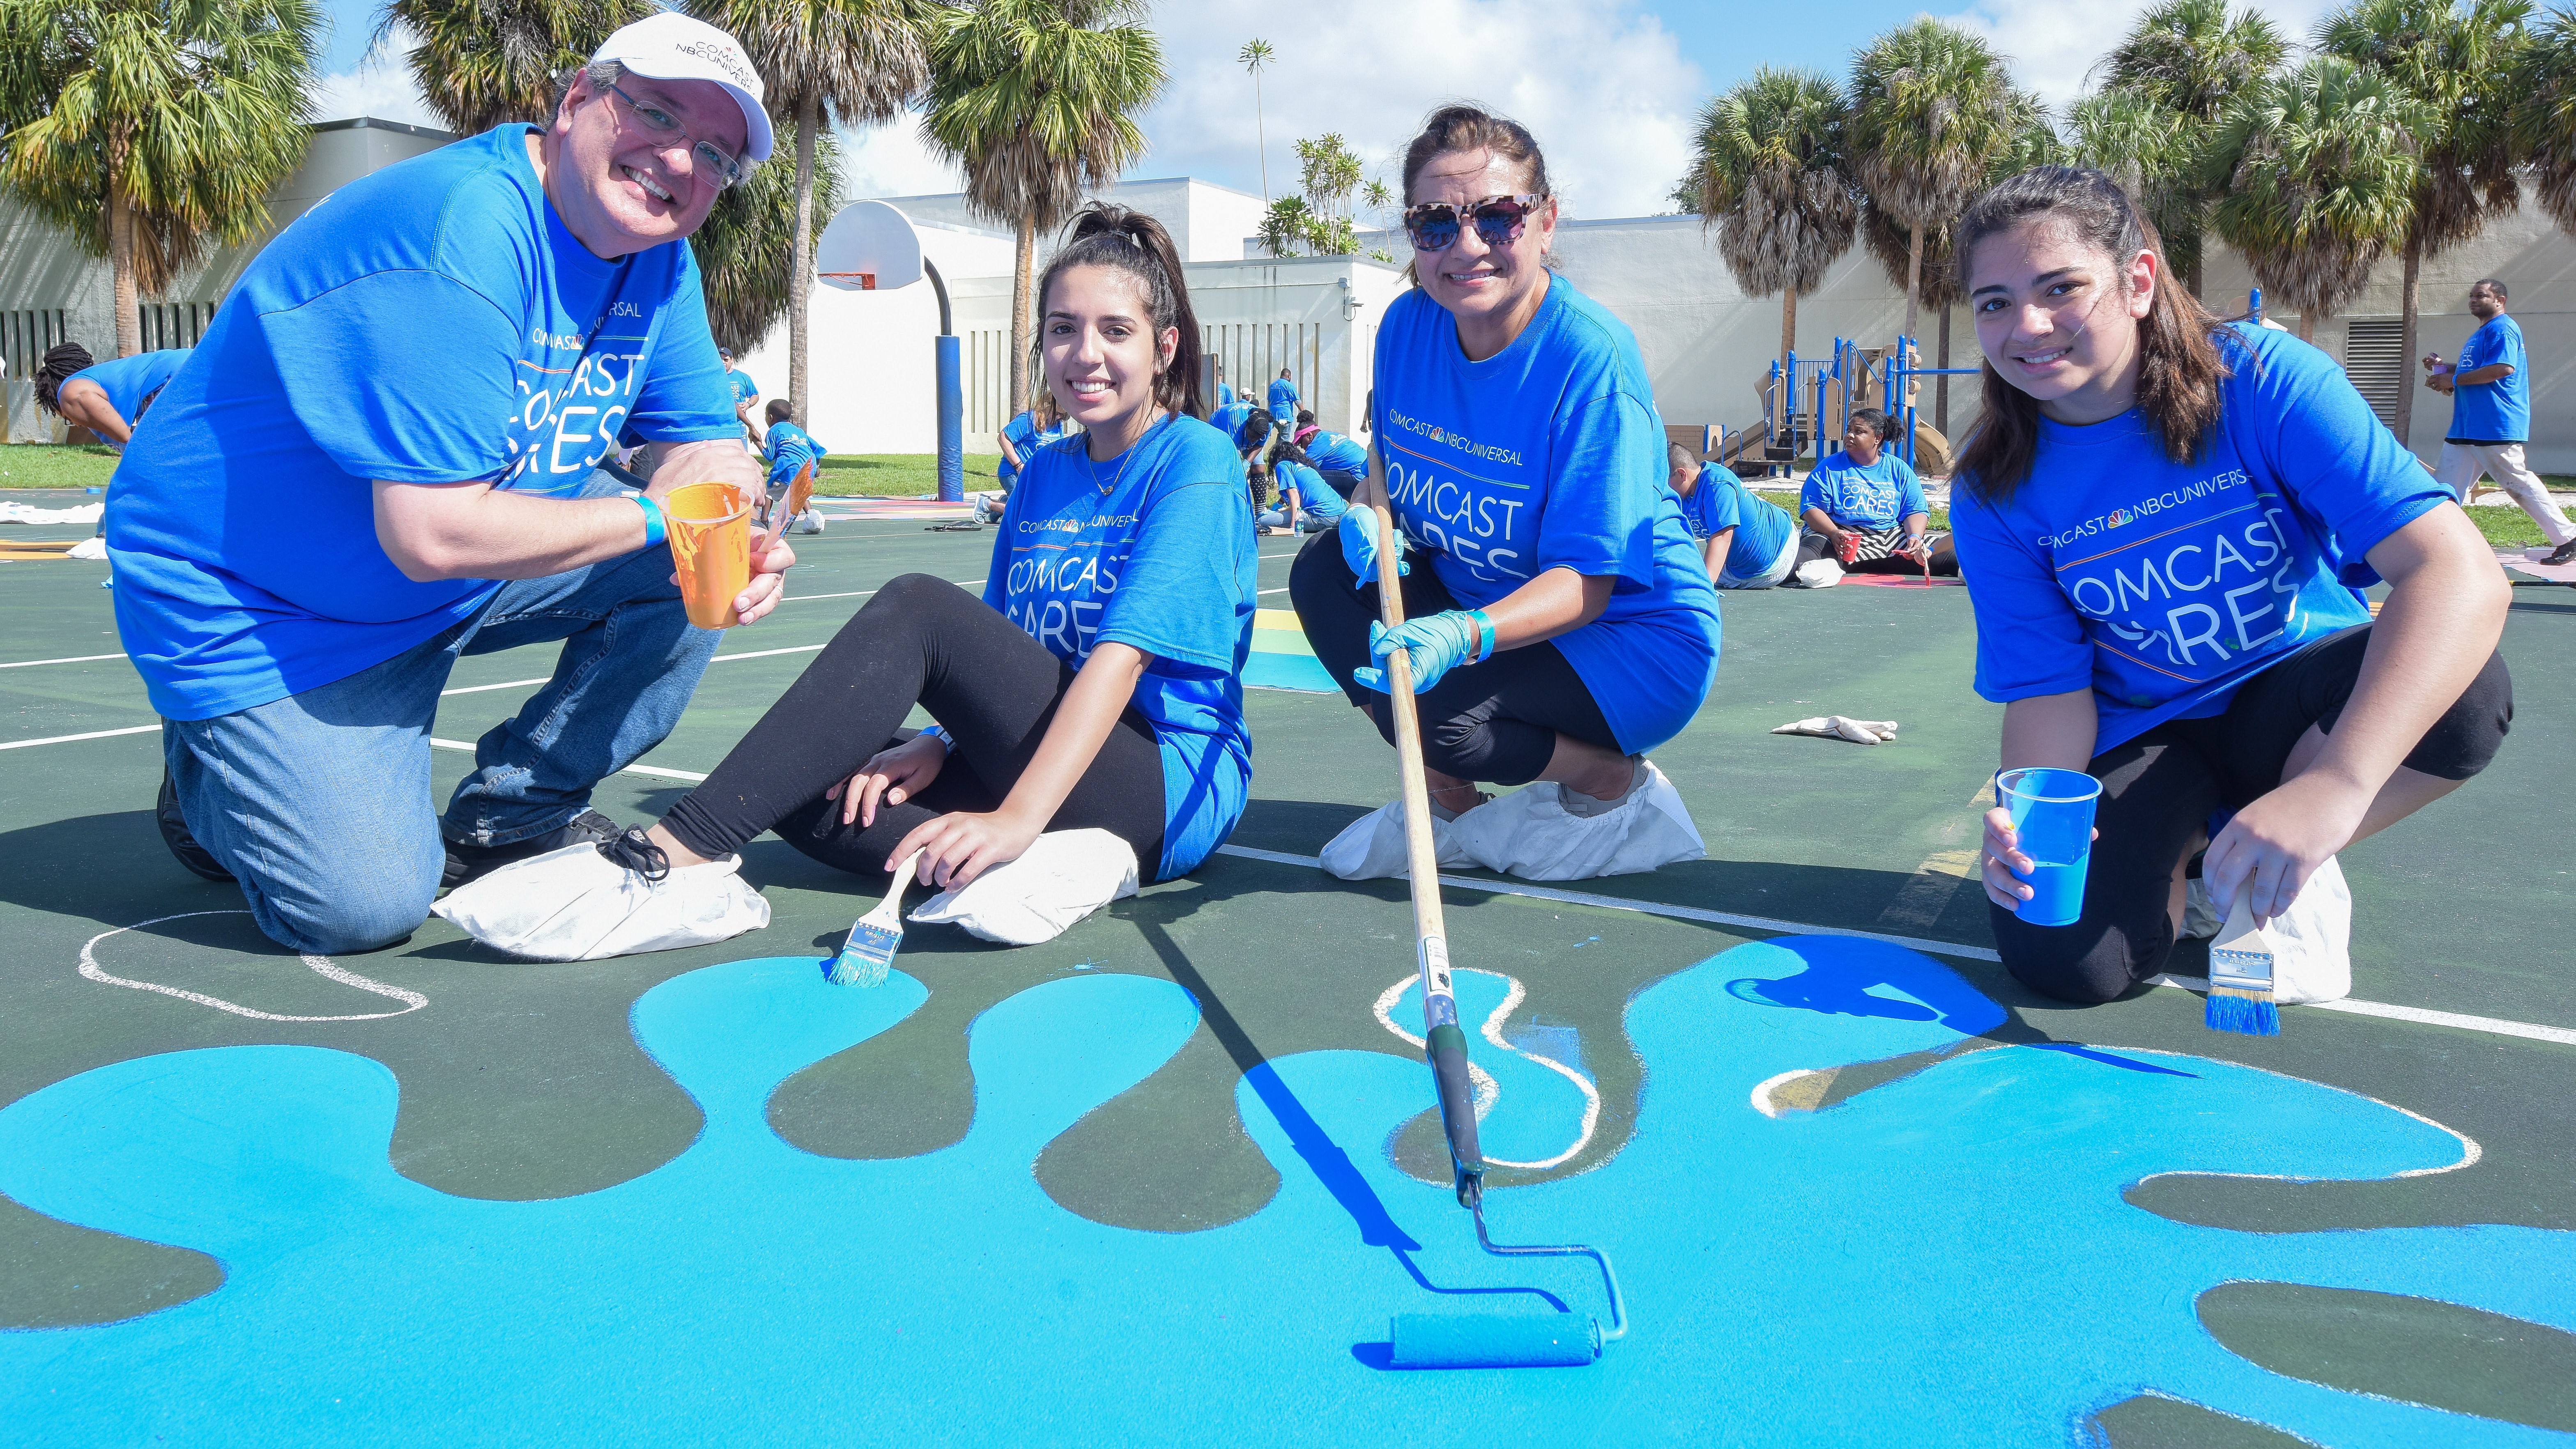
x=1484, y=636
x=933, y=732
x=654, y=523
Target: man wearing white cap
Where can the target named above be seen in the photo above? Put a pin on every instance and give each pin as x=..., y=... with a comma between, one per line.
x=385, y=457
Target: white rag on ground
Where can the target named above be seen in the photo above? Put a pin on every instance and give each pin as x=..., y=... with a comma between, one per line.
x=2311, y=941
x=575, y=904
x=93, y=549
x=26, y=513
x=1529, y=833
x=1062, y=877
x=1372, y=847
x=1843, y=727
x=1818, y=573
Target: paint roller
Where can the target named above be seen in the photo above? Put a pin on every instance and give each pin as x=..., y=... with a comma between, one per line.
x=1456, y=1340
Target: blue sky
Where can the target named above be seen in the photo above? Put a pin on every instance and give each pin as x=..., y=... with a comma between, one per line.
x=1609, y=86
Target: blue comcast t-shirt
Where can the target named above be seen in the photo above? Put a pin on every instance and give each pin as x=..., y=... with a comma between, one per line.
x=1762, y=528
x=127, y=381
x=2166, y=585
x=739, y=386
x=1158, y=554
x=789, y=448
x=1338, y=453
x=1314, y=495
x=1877, y=497
x=1283, y=400
x=1229, y=420
x=431, y=323
x=1550, y=454
x=2498, y=411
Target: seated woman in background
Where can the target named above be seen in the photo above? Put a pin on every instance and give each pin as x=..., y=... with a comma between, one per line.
x=1864, y=508
x=1306, y=503
x=1040, y=424
x=1747, y=542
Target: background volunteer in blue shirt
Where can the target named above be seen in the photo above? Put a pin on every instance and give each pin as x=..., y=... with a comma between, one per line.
x=403, y=404
x=1233, y=418
x=1746, y=542
x=745, y=394
x=1558, y=620
x=2490, y=389
x=2166, y=523
x=1306, y=503
x=108, y=398
x=788, y=450
x=1342, y=460
x=1863, y=507
x=1097, y=683
x=1283, y=401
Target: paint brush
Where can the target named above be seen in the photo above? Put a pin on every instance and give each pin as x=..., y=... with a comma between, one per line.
x=2240, y=975
x=869, y=953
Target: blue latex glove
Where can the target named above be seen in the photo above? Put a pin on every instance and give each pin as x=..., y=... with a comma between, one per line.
x=1359, y=546
x=1436, y=645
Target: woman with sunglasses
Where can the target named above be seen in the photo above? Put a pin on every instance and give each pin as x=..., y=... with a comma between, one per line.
x=1559, y=623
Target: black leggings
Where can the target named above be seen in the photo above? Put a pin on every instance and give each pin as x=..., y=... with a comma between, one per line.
x=1496, y=721
x=992, y=687
x=2159, y=790
x=1813, y=546
x=1341, y=480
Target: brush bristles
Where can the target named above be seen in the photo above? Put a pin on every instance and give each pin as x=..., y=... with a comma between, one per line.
x=2247, y=1013
x=867, y=957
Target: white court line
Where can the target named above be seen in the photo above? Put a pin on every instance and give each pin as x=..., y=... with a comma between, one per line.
x=75, y=659
x=92, y=735
x=2492, y=1026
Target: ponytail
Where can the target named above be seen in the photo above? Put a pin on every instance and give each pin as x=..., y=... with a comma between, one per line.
x=1134, y=243
x=2180, y=366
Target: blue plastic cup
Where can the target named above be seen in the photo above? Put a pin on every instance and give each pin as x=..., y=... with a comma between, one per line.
x=2052, y=813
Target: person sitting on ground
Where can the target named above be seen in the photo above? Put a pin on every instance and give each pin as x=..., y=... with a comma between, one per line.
x=1098, y=681
x=108, y=398
x=790, y=450
x=1863, y=507
x=304, y=549
x=746, y=396
x=1041, y=423
x=2490, y=388
x=2128, y=435
x=1746, y=541
x=1558, y=623
x=1306, y=503
x=1282, y=401
x=1342, y=460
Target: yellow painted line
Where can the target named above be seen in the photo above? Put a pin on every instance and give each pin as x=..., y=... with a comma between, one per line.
x=1276, y=619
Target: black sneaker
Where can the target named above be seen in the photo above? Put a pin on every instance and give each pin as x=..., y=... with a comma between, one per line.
x=466, y=862
x=2565, y=553
x=174, y=834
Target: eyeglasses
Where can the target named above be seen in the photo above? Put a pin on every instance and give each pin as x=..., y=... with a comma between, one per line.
x=1433, y=226
x=663, y=127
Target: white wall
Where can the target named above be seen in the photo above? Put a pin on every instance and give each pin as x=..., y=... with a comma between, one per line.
x=870, y=360
x=1208, y=222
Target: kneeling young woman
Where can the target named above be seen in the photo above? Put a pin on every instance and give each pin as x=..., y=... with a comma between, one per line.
x=1564, y=624
x=1097, y=682
x=2166, y=523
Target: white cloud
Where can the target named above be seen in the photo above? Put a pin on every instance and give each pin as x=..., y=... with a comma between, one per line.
x=2054, y=45
x=1600, y=83
x=380, y=85
x=888, y=160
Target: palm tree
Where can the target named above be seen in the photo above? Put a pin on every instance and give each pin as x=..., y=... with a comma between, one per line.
x=2317, y=171
x=2458, y=63
x=849, y=62
x=745, y=248
x=1772, y=180
x=2151, y=150
x=479, y=63
x=1932, y=109
x=1255, y=55
x=1034, y=99
x=152, y=131
x=2545, y=119
x=2187, y=59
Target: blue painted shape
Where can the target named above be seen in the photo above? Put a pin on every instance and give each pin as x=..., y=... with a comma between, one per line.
x=1943, y=1260
x=1301, y=673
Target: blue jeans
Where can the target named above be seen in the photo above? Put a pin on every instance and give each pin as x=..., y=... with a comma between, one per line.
x=319, y=803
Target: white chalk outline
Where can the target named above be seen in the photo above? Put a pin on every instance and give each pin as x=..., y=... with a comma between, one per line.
x=1489, y=1091
x=322, y=966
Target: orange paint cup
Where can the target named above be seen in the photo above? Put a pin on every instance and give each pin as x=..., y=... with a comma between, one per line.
x=709, y=528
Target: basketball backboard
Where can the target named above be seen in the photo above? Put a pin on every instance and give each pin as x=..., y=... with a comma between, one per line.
x=869, y=247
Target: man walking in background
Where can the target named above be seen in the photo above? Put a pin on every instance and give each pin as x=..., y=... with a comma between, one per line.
x=2490, y=389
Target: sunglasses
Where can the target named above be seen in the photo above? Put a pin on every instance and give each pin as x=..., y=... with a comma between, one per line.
x=665, y=130
x=1433, y=226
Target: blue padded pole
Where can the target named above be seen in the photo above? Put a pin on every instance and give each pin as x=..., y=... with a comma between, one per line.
x=952, y=415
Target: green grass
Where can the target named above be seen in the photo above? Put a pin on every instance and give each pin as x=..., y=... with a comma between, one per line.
x=897, y=475
x=48, y=465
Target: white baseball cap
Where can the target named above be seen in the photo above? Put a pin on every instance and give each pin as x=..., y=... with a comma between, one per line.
x=672, y=46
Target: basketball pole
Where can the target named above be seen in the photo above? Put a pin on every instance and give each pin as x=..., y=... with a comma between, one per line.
x=952, y=397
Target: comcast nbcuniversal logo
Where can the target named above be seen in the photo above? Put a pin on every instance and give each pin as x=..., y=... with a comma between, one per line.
x=1435, y=434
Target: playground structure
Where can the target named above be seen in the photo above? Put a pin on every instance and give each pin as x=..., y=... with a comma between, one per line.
x=1808, y=401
